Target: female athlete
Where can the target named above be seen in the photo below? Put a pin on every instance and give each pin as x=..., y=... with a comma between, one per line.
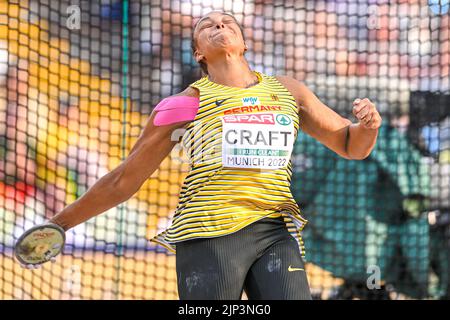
x=236, y=226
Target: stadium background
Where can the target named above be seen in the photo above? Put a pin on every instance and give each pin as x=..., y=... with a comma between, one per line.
x=78, y=80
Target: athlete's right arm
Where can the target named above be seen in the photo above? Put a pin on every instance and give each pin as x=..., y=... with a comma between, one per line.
x=153, y=145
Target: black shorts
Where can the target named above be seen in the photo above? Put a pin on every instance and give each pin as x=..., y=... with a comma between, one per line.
x=263, y=259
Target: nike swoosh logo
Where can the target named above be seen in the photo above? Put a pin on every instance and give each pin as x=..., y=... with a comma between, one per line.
x=220, y=102
x=290, y=269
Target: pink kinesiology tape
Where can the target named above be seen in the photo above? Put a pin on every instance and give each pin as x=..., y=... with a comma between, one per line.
x=176, y=109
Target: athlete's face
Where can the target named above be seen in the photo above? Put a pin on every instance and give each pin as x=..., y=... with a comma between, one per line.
x=217, y=31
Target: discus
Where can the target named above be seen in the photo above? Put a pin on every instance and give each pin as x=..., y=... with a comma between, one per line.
x=39, y=244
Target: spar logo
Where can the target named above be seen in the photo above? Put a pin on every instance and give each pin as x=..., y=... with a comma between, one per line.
x=263, y=118
x=250, y=101
x=283, y=120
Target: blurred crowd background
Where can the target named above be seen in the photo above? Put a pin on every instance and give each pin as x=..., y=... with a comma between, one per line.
x=76, y=75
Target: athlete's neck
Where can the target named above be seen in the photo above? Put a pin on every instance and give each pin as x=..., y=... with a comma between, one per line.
x=232, y=71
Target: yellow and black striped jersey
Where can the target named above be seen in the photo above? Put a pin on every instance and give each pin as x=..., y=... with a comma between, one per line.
x=239, y=148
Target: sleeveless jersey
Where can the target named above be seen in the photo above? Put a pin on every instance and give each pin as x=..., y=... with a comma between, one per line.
x=239, y=148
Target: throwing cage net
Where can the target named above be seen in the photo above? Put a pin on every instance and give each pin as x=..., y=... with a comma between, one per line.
x=80, y=78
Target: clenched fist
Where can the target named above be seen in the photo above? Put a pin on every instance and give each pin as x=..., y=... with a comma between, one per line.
x=365, y=111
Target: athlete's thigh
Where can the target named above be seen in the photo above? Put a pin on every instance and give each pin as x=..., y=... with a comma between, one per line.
x=279, y=274
x=210, y=269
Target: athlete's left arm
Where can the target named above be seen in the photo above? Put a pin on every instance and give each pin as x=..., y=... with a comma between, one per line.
x=349, y=140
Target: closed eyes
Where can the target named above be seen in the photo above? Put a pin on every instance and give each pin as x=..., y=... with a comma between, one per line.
x=205, y=26
x=209, y=25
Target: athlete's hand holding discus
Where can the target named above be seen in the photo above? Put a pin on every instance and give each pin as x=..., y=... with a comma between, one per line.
x=39, y=244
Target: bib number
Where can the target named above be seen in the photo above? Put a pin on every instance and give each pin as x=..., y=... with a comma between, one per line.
x=257, y=141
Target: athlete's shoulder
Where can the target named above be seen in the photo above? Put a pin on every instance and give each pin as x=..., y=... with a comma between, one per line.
x=189, y=97
x=188, y=92
x=180, y=107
